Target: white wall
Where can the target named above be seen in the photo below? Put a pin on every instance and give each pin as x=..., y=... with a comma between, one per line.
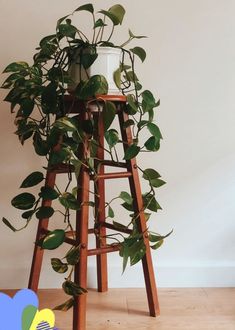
x=190, y=65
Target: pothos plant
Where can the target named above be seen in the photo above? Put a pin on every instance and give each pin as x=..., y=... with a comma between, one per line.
x=37, y=93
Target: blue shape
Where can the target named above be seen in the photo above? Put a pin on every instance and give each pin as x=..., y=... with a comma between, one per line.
x=11, y=309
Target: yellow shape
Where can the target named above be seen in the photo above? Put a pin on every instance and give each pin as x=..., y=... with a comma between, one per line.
x=45, y=315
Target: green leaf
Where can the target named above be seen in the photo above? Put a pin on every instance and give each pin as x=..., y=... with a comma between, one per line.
x=112, y=137
x=99, y=23
x=59, y=156
x=65, y=306
x=28, y=214
x=77, y=166
x=61, y=20
x=157, y=183
x=8, y=224
x=137, y=251
x=88, y=59
x=16, y=67
x=131, y=76
x=153, y=177
x=134, y=36
x=69, y=201
x=147, y=216
x=117, y=77
x=124, y=253
x=126, y=197
x=157, y=245
x=87, y=7
x=150, y=174
x=72, y=288
x=41, y=147
x=59, y=266
x=45, y=212
x=154, y=130
x=23, y=201
x=73, y=255
x=118, y=11
x=134, y=248
x=128, y=207
x=115, y=14
x=87, y=126
x=140, y=52
x=67, y=30
x=65, y=124
x=132, y=102
x=48, y=193
x=52, y=240
x=152, y=144
x=112, y=17
x=109, y=113
x=129, y=122
x=148, y=102
x=26, y=107
x=97, y=84
x=49, y=98
x=110, y=212
x=32, y=180
x=156, y=238
x=11, y=80
x=131, y=152
x=150, y=203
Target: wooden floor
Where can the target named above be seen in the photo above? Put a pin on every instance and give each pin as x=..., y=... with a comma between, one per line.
x=181, y=309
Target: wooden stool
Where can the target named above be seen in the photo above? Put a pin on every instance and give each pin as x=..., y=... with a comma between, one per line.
x=82, y=216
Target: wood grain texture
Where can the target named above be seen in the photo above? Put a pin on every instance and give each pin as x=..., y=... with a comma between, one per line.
x=181, y=309
x=135, y=188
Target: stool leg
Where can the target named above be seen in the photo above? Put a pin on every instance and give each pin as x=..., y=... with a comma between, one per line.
x=38, y=252
x=135, y=189
x=80, y=276
x=102, y=273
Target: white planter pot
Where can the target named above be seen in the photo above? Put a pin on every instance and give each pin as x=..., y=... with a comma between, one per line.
x=107, y=62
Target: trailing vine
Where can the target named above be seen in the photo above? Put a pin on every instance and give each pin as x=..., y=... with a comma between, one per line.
x=38, y=98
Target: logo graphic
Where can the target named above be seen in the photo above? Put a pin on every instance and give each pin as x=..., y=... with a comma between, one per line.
x=21, y=312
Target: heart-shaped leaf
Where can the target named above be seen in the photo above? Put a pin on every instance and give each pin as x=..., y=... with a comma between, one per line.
x=150, y=174
x=48, y=193
x=140, y=52
x=154, y=130
x=59, y=266
x=45, y=212
x=112, y=137
x=69, y=201
x=73, y=255
x=87, y=7
x=16, y=67
x=109, y=113
x=23, y=201
x=152, y=144
x=32, y=180
x=131, y=152
x=126, y=197
x=73, y=289
x=53, y=240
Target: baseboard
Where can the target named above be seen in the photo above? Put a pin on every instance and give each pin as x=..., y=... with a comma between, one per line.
x=166, y=276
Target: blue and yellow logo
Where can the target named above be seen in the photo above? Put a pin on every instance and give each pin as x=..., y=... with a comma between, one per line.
x=21, y=312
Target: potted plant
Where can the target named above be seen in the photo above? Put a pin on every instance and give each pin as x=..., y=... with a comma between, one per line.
x=68, y=62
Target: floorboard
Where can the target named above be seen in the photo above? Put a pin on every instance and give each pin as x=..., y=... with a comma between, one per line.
x=181, y=309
